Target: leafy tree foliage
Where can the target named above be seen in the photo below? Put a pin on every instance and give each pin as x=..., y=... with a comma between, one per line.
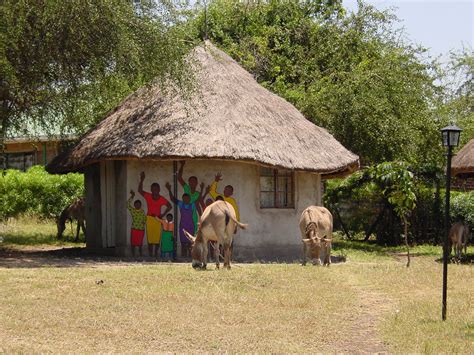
x=66, y=63
x=399, y=190
x=460, y=102
x=390, y=184
x=348, y=72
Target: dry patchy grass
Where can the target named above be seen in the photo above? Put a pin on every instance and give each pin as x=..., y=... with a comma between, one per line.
x=252, y=308
x=172, y=308
x=371, y=303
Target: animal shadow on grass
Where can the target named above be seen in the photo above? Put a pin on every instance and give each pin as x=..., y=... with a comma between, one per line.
x=370, y=247
x=466, y=259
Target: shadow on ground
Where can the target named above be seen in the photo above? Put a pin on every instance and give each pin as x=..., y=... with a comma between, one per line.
x=467, y=259
x=80, y=256
x=60, y=257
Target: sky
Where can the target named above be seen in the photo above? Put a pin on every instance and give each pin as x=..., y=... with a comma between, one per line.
x=439, y=25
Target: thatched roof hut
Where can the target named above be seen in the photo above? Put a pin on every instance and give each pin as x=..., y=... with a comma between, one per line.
x=463, y=161
x=271, y=160
x=230, y=117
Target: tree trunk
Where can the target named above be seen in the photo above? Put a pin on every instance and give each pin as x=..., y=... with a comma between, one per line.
x=4, y=116
x=371, y=229
x=405, y=226
x=346, y=231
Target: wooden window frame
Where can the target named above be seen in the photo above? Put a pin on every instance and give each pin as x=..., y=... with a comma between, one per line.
x=278, y=173
x=5, y=160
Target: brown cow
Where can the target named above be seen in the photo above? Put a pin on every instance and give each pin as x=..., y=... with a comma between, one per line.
x=217, y=224
x=316, y=233
x=458, y=235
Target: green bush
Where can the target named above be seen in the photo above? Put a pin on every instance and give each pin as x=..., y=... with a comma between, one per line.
x=37, y=192
x=362, y=201
x=462, y=206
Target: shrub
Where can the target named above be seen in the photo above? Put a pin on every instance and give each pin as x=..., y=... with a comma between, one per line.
x=37, y=192
x=367, y=201
x=462, y=206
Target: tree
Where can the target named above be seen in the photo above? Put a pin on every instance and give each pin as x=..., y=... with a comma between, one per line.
x=66, y=63
x=397, y=185
x=392, y=183
x=460, y=101
x=348, y=72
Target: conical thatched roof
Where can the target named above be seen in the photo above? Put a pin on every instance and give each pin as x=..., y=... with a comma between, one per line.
x=463, y=161
x=231, y=117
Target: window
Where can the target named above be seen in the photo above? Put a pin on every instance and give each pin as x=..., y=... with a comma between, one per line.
x=276, y=188
x=20, y=161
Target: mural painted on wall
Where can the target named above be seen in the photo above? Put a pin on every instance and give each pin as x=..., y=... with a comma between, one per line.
x=226, y=195
x=187, y=211
x=154, y=203
x=158, y=224
x=167, y=237
x=194, y=196
x=137, y=231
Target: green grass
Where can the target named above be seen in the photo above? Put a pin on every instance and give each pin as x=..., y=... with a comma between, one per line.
x=370, y=303
x=31, y=231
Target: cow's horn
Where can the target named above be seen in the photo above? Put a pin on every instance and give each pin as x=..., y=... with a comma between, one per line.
x=189, y=236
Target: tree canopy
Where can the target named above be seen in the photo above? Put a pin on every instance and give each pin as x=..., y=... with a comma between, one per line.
x=64, y=64
x=460, y=101
x=348, y=72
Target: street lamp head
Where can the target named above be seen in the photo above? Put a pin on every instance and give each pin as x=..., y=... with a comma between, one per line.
x=451, y=135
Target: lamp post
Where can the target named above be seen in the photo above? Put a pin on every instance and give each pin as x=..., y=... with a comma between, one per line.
x=450, y=136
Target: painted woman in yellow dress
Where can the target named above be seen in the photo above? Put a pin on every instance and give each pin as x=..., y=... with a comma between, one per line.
x=154, y=202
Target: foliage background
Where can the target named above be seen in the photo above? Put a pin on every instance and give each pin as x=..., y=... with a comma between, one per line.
x=351, y=73
x=462, y=207
x=37, y=192
x=65, y=64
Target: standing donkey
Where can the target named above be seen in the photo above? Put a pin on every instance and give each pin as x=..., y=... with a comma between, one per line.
x=458, y=237
x=75, y=211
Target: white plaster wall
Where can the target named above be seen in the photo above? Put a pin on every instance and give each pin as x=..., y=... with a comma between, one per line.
x=273, y=234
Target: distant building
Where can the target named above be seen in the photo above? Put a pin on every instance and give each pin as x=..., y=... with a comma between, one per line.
x=462, y=168
x=23, y=152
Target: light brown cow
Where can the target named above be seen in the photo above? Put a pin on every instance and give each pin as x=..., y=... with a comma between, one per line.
x=316, y=233
x=217, y=224
x=458, y=235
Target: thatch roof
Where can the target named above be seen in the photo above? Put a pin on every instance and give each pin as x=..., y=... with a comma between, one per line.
x=463, y=161
x=231, y=117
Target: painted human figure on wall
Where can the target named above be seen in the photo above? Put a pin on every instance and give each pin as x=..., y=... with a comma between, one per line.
x=196, y=197
x=209, y=202
x=155, y=203
x=167, y=240
x=137, y=231
x=226, y=195
x=186, y=211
